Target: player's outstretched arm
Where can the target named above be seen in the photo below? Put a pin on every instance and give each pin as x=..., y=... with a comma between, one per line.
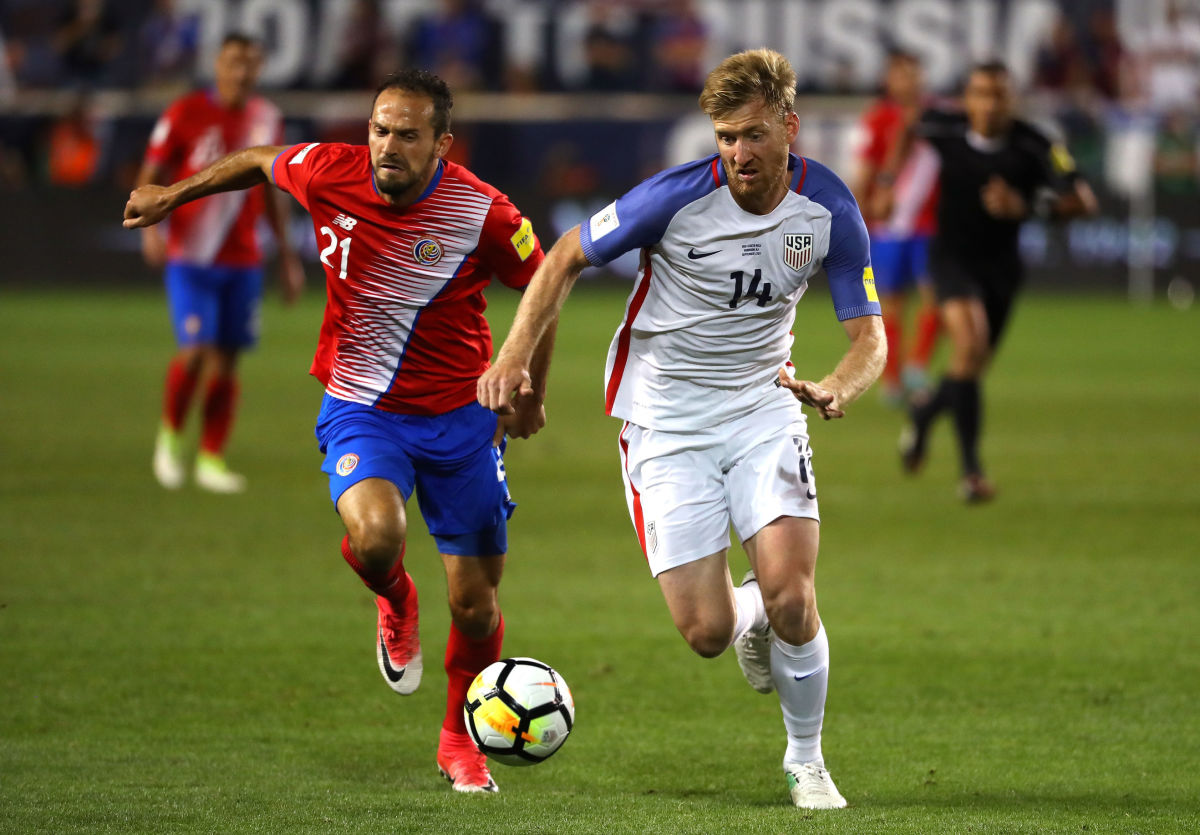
x=150, y=204
x=858, y=369
x=510, y=374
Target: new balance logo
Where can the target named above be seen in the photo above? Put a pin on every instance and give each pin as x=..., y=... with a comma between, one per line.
x=346, y=222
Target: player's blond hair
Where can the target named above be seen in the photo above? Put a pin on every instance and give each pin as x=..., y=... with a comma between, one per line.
x=754, y=75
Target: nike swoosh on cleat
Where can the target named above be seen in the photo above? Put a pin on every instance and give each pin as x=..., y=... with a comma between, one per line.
x=693, y=254
x=393, y=675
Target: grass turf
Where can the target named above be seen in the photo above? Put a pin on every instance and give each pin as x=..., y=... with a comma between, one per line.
x=181, y=662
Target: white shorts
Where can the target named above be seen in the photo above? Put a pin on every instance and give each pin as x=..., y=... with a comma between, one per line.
x=684, y=489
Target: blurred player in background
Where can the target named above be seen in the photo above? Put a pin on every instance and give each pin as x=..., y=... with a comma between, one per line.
x=900, y=211
x=700, y=373
x=996, y=171
x=409, y=242
x=214, y=272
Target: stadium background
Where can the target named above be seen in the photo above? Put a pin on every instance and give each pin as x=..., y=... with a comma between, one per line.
x=175, y=662
x=566, y=104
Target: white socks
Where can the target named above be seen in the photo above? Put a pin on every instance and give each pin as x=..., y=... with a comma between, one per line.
x=801, y=676
x=751, y=614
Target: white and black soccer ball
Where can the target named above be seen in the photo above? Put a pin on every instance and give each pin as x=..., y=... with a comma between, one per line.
x=519, y=711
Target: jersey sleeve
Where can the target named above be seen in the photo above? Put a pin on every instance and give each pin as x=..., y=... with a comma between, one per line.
x=639, y=218
x=873, y=146
x=294, y=168
x=848, y=260
x=508, y=245
x=163, y=147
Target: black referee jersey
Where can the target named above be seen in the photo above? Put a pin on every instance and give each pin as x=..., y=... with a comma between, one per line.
x=968, y=237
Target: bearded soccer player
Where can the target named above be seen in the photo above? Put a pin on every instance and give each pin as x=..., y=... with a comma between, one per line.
x=700, y=374
x=900, y=211
x=996, y=172
x=408, y=241
x=212, y=258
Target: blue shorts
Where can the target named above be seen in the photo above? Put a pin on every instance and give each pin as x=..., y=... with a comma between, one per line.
x=214, y=305
x=459, y=476
x=899, y=263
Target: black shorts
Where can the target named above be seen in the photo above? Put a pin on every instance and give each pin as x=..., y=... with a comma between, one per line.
x=994, y=282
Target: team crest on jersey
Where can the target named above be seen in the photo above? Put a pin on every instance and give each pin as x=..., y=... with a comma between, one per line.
x=797, y=250
x=347, y=463
x=427, y=251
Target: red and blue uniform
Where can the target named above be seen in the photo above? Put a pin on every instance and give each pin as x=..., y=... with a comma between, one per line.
x=214, y=264
x=404, y=338
x=900, y=242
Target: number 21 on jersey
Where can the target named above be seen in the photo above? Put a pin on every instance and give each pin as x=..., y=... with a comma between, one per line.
x=333, y=245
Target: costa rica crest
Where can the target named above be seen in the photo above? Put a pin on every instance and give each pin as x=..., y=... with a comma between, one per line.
x=797, y=250
x=427, y=251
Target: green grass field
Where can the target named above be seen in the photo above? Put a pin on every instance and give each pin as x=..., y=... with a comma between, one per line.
x=194, y=663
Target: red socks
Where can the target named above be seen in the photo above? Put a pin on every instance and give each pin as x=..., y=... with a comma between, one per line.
x=394, y=585
x=891, y=371
x=464, y=659
x=177, y=395
x=219, y=403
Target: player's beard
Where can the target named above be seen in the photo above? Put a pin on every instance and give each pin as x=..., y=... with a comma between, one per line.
x=403, y=180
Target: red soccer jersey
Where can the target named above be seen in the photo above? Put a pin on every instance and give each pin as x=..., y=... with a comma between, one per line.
x=194, y=132
x=916, y=187
x=404, y=329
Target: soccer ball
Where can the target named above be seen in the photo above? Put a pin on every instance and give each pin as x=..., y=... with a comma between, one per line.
x=519, y=711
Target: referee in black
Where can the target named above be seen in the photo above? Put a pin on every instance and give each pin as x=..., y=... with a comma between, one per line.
x=997, y=171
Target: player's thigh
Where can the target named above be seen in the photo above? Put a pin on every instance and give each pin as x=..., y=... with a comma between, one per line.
x=699, y=596
x=772, y=475
x=362, y=446
x=966, y=323
x=675, y=494
x=240, y=313
x=193, y=299
x=462, y=484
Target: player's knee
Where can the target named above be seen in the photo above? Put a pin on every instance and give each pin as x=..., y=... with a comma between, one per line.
x=792, y=612
x=376, y=543
x=475, y=616
x=708, y=640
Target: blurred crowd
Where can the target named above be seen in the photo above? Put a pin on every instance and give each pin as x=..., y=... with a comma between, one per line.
x=629, y=45
x=1084, y=70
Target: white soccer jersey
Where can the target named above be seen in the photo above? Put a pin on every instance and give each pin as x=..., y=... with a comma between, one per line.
x=708, y=324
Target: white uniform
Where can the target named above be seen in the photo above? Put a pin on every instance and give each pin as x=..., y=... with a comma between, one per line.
x=710, y=437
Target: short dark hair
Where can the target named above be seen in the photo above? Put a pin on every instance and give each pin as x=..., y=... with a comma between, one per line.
x=240, y=39
x=425, y=84
x=991, y=67
x=897, y=53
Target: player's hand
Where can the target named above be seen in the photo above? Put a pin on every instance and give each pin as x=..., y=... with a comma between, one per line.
x=147, y=205
x=527, y=418
x=1002, y=201
x=291, y=276
x=499, y=385
x=154, y=247
x=881, y=202
x=810, y=394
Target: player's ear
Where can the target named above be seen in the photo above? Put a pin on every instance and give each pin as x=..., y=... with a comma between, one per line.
x=792, y=123
x=442, y=145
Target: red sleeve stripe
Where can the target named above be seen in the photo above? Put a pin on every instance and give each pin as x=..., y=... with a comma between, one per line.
x=639, y=522
x=635, y=305
x=716, y=172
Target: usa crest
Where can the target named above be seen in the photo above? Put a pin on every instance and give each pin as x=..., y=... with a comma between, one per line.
x=797, y=250
x=427, y=251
